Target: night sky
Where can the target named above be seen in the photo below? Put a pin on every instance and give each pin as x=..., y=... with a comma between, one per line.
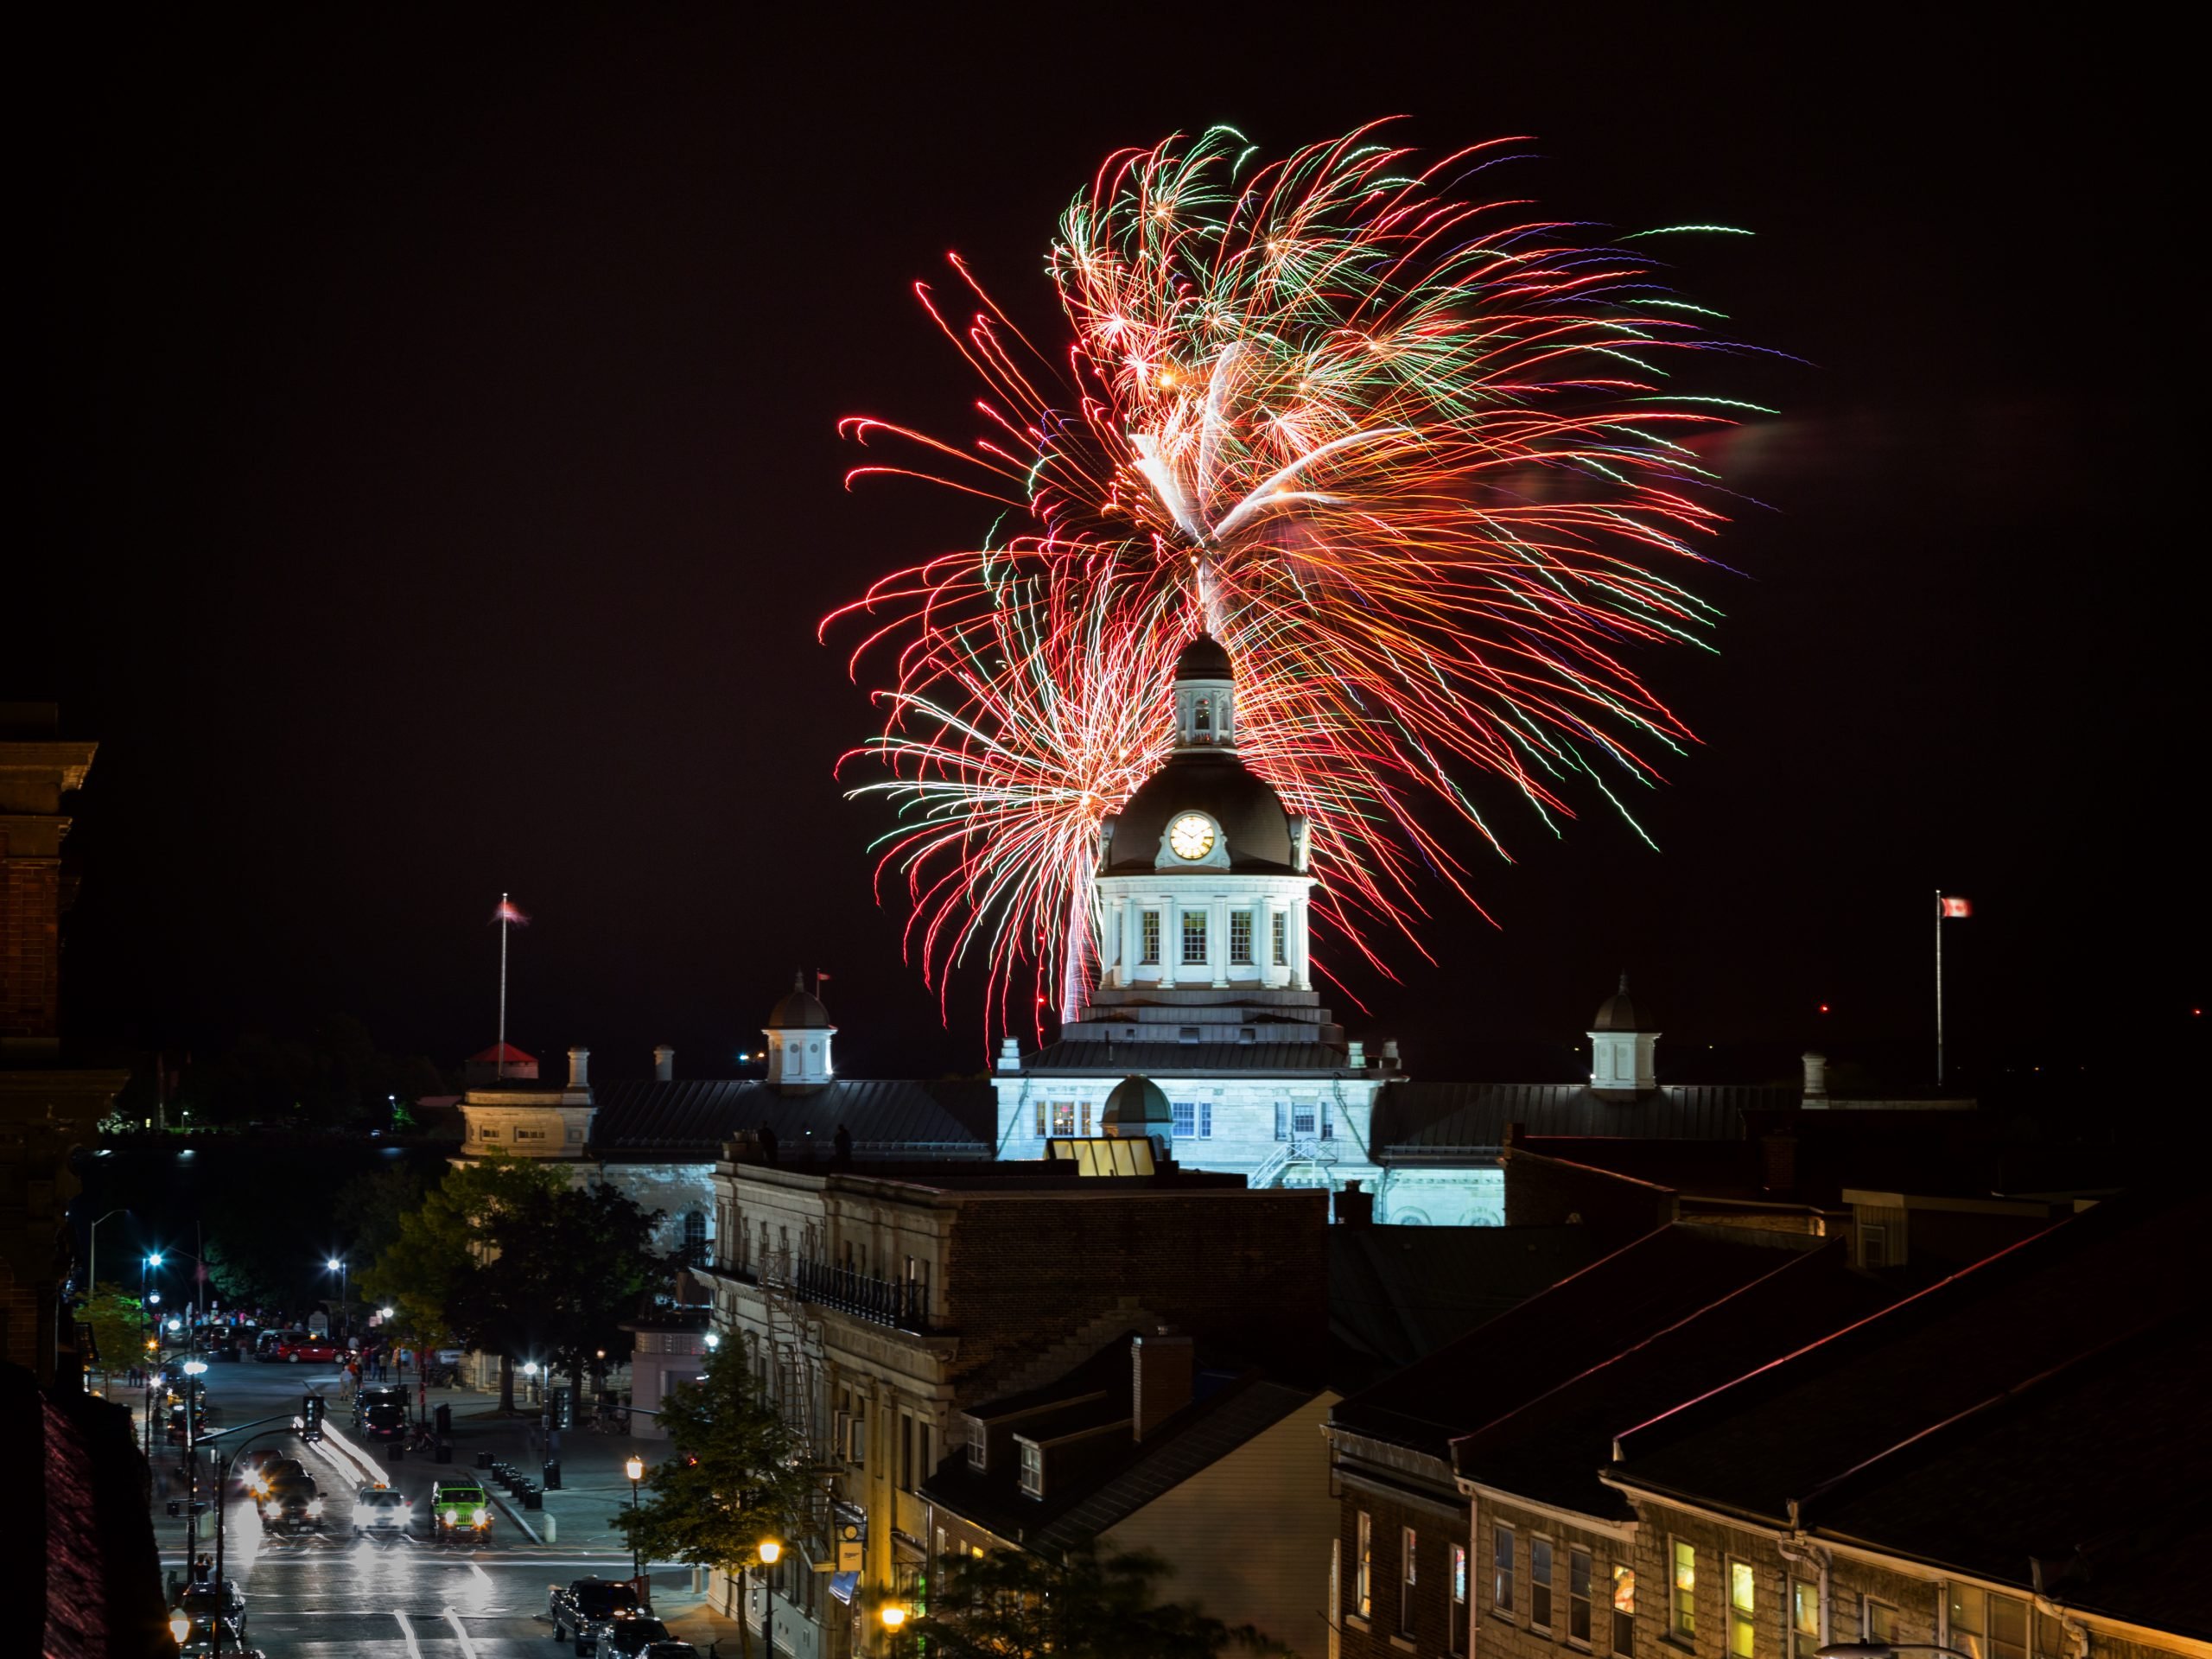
x=433, y=460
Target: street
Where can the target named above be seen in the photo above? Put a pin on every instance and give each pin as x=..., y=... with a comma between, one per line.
x=332, y=1594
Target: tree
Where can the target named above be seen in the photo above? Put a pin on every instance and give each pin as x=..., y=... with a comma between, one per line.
x=1012, y=1604
x=117, y=1320
x=736, y=1473
x=432, y=1271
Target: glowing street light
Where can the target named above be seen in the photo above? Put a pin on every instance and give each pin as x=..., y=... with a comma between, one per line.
x=771, y=1552
x=893, y=1616
x=634, y=1467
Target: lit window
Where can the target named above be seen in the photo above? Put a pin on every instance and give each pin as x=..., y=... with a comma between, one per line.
x=1804, y=1619
x=1202, y=715
x=1501, y=1568
x=1685, y=1591
x=1577, y=1596
x=1194, y=939
x=1877, y=1620
x=1150, y=938
x=1459, y=1598
x=1240, y=935
x=1624, y=1611
x=1408, y=1554
x=1064, y=1117
x=1282, y=940
x=1365, y=1587
x=1988, y=1626
x=1032, y=1468
x=1539, y=1584
x=1186, y=1119
x=1743, y=1609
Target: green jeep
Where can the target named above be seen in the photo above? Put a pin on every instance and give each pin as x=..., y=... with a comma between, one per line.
x=460, y=1511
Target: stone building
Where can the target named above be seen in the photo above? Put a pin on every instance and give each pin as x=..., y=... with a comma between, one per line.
x=879, y=1301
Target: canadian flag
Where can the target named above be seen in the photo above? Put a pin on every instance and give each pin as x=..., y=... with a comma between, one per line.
x=1955, y=907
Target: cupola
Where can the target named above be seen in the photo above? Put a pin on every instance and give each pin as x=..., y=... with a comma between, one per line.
x=798, y=1033
x=1622, y=1040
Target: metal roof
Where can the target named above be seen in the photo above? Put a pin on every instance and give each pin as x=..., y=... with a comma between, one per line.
x=694, y=1116
x=1417, y=1117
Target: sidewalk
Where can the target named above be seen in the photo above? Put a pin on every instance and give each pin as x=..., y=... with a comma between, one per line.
x=593, y=1485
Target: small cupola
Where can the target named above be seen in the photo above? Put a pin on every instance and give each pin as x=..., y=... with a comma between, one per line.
x=1623, y=1039
x=798, y=1033
x=1205, y=697
x=1136, y=1109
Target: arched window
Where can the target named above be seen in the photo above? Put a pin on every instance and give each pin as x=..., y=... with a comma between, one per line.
x=694, y=1252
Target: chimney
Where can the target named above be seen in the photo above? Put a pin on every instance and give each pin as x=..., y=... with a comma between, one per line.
x=1357, y=1057
x=1355, y=1206
x=1778, y=1163
x=1391, y=1056
x=664, y=1063
x=580, y=1068
x=1816, y=1080
x=1009, y=1055
x=1163, y=1367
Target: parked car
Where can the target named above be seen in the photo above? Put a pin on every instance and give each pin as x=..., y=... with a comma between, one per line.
x=379, y=1509
x=319, y=1348
x=585, y=1607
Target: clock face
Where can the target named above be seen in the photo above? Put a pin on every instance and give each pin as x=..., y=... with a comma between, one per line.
x=1190, y=836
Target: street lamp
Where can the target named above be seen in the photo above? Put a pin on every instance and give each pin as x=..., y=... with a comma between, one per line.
x=635, y=1468
x=337, y=1265
x=771, y=1551
x=92, y=1252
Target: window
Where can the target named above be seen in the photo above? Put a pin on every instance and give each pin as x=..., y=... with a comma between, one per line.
x=1877, y=1620
x=1407, y=1555
x=1988, y=1626
x=1577, y=1596
x=1282, y=1120
x=1194, y=939
x=2050, y=1638
x=1282, y=940
x=1302, y=1115
x=1365, y=1588
x=1186, y=1119
x=1240, y=935
x=1032, y=1468
x=1743, y=1608
x=530, y=1135
x=1151, y=956
x=1202, y=715
x=489, y=1134
x=1539, y=1584
x=1328, y=1123
x=1459, y=1598
x=1804, y=1619
x=1874, y=1245
x=1624, y=1611
x=1683, y=1621
x=979, y=1448
x=1064, y=1117
x=1501, y=1568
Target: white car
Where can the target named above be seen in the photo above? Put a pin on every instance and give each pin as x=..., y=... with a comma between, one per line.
x=379, y=1509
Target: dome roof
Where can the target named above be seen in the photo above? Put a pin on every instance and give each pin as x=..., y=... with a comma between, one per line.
x=1619, y=1013
x=1137, y=1107
x=1251, y=815
x=799, y=1010
x=1204, y=659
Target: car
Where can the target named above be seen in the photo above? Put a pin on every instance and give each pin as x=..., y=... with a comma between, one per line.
x=625, y=1638
x=379, y=1509
x=272, y=1468
x=199, y=1639
x=321, y=1349
x=292, y=1508
x=203, y=1601
x=584, y=1607
x=669, y=1650
x=381, y=1414
x=460, y=1512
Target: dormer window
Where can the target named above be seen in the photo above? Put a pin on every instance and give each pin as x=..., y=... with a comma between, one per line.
x=1032, y=1468
x=979, y=1444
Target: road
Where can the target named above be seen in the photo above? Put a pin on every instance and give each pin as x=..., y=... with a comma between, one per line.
x=333, y=1594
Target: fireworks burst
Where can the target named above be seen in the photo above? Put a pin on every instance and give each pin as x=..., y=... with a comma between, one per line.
x=1407, y=454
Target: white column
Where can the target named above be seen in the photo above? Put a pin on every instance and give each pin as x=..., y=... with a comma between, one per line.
x=1217, y=938
x=1298, y=979
x=1171, y=940
x=1116, y=973
x=1264, y=946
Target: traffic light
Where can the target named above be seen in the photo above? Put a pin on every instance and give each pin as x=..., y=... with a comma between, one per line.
x=311, y=1417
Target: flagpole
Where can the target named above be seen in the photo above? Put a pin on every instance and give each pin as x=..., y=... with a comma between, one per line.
x=1939, y=987
x=500, y=1054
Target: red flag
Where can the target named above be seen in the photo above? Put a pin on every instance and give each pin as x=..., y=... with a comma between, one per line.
x=510, y=912
x=1955, y=907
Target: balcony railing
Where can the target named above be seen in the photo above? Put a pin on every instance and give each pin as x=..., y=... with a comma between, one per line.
x=901, y=1302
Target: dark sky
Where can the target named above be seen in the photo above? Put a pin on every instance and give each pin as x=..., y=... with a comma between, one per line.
x=435, y=471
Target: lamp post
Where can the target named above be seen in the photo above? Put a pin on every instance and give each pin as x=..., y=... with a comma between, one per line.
x=193, y=1370
x=894, y=1615
x=337, y=1265
x=92, y=1252
x=635, y=1468
x=771, y=1552
x=152, y=1259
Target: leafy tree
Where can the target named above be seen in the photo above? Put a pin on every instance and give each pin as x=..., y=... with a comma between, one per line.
x=116, y=1320
x=1012, y=1604
x=367, y=1210
x=431, y=1271
x=736, y=1473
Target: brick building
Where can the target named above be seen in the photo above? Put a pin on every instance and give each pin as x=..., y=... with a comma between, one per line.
x=2010, y=1463
x=879, y=1302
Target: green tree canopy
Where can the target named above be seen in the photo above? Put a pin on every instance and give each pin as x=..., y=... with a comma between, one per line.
x=427, y=1270
x=736, y=1473
x=1012, y=1604
x=116, y=1318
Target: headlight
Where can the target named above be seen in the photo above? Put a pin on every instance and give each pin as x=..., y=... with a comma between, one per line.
x=314, y=1506
x=481, y=1517
x=449, y=1517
